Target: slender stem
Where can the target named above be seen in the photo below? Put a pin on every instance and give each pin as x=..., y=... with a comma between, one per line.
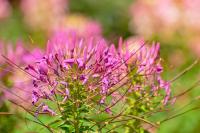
x=76, y=106
x=141, y=119
x=6, y=113
x=197, y=83
x=185, y=71
x=177, y=115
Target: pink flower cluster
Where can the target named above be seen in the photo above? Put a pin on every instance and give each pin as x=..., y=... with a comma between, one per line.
x=14, y=82
x=103, y=71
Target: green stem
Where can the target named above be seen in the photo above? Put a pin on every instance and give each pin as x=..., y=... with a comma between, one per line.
x=76, y=126
x=76, y=113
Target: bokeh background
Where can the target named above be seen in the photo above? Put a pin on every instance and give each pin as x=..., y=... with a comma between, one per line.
x=173, y=23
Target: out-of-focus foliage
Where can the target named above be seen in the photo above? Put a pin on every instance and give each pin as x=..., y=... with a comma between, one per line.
x=113, y=15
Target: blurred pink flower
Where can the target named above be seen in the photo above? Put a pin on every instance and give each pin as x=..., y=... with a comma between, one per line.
x=149, y=17
x=43, y=14
x=192, y=14
x=51, y=16
x=80, y=24
x=5, y=9
x=166, y=18
x=159, y=15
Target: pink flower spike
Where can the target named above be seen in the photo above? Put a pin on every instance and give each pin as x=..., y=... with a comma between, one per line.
x=69, y=61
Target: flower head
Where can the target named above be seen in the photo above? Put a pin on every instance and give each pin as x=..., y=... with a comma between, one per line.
x=97, y=70
x=87, y=77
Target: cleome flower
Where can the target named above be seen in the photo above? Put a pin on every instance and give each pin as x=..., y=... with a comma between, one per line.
x=79, y=78
x=16, y=83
